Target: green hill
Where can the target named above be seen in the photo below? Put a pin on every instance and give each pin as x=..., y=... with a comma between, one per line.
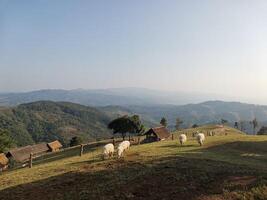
x=231, y=166
x=46, y=121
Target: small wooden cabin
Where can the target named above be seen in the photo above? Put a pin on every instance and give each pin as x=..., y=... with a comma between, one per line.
x=157, y=134
x=3, y=162
x=54, y=146
x=22, y=154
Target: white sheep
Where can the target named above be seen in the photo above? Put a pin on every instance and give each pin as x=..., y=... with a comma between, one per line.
x=200, y=138
x=108, y=150
x=125, y=144
x=122, y=147
x=182, y=139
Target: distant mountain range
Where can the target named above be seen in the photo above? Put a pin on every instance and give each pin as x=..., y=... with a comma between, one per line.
x=151, y=105
x=106, y=97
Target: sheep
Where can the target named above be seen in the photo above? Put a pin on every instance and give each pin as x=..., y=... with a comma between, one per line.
x=108, y=150
x=122, y=147
x=120, y=151
x=125, y=144
x=182, y=139
x=200, y=138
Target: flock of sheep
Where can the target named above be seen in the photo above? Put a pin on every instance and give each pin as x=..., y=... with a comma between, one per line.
x=109, y=149
x=200, y=137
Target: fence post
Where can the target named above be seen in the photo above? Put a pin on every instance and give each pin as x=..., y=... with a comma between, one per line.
x=81, y=150
x=30, y=161
x=172, y=137
x=113, y=141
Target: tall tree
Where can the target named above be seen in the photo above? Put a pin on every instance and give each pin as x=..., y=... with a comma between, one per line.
x=126, y=124
x=5, y=141
x=236, y=125
x=224, y=121
x=138, y=127
x=178, y=123
x=163, y=121
x=76, y=141
x=194, y=126
x=255, y=124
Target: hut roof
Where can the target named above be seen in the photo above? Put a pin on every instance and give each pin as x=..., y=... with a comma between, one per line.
x=161, y=132
x=54, y=145
x=22, y=154
x=3, y=159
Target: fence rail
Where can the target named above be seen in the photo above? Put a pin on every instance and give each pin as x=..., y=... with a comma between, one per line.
x=79, y=150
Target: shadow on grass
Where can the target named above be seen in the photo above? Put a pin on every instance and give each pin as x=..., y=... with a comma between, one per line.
x=168, y=178
x=259, y=147
x=252, y=154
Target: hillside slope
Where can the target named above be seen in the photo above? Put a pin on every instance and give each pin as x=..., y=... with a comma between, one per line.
x=46, y=121
x=204, y=113
x=226, y=167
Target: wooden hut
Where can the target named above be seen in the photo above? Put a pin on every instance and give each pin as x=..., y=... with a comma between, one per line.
x=22, y=154
x=157, y=134
x=54, y=146
x=3, y=162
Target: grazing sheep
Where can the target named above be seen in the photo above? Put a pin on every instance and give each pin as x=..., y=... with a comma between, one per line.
x=125, y=144
x=108, y=150
x=200, y=138
x=182, y=139
x=122, y=147
x=120, y=151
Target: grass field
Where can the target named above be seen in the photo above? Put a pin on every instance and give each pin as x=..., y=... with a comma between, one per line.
x=226, y=167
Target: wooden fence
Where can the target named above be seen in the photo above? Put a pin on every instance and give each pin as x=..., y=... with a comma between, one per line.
x=78, y=150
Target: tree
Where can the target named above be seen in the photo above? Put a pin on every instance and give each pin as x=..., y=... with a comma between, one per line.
x=194, y=126
x=5, y=141
x=163, y=121
x=178, y=123
x=254, y=123
x=138, y=127
x=76, y=141
x=224, y=121
x=126, y=124
x=262, y=131
x=236, y=125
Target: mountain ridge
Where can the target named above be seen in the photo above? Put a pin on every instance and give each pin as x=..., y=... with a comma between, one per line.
x=105, y=97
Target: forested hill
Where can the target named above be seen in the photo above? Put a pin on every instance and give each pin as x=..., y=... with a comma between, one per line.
x=45, y=121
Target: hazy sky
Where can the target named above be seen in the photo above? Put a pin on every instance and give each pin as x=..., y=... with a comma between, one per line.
x=216, y=46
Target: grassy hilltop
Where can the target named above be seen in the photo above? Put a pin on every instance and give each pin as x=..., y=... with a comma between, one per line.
x=226, y=167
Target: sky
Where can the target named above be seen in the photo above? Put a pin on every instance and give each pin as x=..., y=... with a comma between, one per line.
x=209, y=46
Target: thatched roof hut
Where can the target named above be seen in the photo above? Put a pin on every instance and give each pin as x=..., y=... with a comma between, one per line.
x=22, y=154
x=54, y=146
x=3, y=161
x=158, y=133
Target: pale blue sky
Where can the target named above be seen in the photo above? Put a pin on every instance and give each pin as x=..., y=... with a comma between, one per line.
x=215, y=46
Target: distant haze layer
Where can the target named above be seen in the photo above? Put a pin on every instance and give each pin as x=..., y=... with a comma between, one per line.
x=209, y=46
